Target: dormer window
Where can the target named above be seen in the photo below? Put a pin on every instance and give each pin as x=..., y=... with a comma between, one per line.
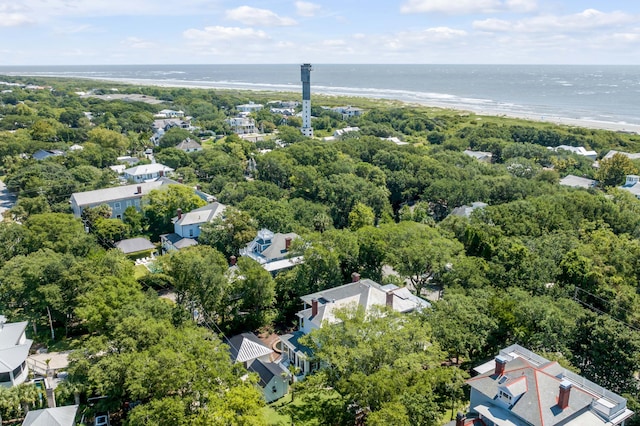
x=505, y=397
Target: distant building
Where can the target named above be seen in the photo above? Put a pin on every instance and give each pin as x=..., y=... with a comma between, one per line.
x=271, y=250
x=42, y=154
x=578, y=182
x=147, y=172
x=520, y=387
x=341, y=132
x=186, y=226
x=169, y=113
x=242, y=125
x=578, y=150
x=249, y=108
x=465, y=211
x=632, y=185
x=348, y=111
x=483, y=156
x=189, y=145
x=305, y=77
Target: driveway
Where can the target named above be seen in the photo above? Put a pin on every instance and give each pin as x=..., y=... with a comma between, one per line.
x=7, y=199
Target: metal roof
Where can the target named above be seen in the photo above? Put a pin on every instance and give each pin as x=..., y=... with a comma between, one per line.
x=58, y=416
x=246, y=347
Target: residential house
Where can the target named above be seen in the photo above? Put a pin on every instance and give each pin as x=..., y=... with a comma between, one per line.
x=249, y=108
x=465, y=211
x=395, y=140
x=483, y=156
x=159, y=127
x=341, y=132
x=57, y=416
x=76, y=147
x=186, y=227
x=42, y=154
x=348, y=111
x=248, y=349
x=578, y=182
x=189, y=145
x=519, y=387
x=118, y=197
x=629, y=155
x=631, y=185
x=169, y=113
x=242, y=125
x=147, y=172
x=134, y=246
x=271, y=250
x=14, y=350
x=320, y=308
x=578, y=150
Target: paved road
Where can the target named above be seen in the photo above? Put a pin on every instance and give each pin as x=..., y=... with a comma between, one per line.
x=7, y=199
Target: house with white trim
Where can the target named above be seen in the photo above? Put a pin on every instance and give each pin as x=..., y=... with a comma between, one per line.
x=186, y=226
x=14, y=350
x=147, y=172
x=271, y=250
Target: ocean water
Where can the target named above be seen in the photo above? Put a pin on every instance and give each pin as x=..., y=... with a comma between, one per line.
x=594, y=93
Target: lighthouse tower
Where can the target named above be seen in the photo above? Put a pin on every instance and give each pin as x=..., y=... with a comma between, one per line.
x=305, y=72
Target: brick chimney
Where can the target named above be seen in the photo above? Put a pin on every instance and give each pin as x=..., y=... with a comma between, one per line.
x=355, y=277
x=139, y=190
x=390, y=299
x=179, y=214
x=460, y=419
x=314, y=307
x=287, y=243
x=161, y=173
x=180, y=179
x=501, y=363
x=563, y=396
x=233, y=260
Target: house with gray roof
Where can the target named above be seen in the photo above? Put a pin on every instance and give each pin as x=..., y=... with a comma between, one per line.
x=320, y=309
x=632, y=185
x=519, y=387
x=248, y=349
x=186, y=226
x=14, y=350
x=573, y=181
x=189, y=145
x=271, y=250
x=132, y=246
x=465, y=211
x=147, y=172
x=57, y=416
x=484, y=156
x=118, y=197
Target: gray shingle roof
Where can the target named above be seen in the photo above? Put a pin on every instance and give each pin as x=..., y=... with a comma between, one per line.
x=134, y=245
x=203, y=214
x=58, y=416
x=246, y=347
x=116, y=193
x=265, y=370
x=147, y=169
x=577, y=182
x=188, y=144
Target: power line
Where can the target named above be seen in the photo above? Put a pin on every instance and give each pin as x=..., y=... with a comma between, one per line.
x=598, y=310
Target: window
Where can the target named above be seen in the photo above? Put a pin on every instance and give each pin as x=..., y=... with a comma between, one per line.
x=17, y=372
x=191, y=232
x=505, y=396
x=116, y=206
x=128, y=203
x=4, y=377
x=274, y=389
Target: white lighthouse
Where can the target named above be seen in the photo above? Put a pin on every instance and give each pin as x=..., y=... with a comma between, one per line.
x=305, y=72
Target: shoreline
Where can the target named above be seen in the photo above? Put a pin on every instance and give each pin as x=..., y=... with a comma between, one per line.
x=620, y=127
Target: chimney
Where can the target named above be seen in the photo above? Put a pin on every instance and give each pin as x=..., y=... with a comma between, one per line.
x=314, y=307
x=501, y=363
x=198, y=187
x=355, y=277
x=460, y=419
x=233, y=260
x=287, y=243
x=390, y=299
x=179, y=214
x=161, y=173
x=563, y=396
x=180, y=179
x=139, y=190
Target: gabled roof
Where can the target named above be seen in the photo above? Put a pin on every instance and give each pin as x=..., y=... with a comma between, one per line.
x=188, y=144
x=58, y=416
x=200, y=215
x=577, y=182
x=266, y=371
x=246, y=347
x=12, y=352
x=11, y=332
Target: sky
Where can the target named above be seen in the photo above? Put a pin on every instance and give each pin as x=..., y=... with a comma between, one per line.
x=105, y=32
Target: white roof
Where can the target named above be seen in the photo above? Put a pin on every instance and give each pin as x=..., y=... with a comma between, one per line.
x=577, y=182
x=201, y=215
x=58, y=416
x=11, y=358
x=147, y=169
x=10, y=334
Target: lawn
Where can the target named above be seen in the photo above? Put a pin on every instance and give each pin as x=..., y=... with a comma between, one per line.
x=140, y=271
x=278, y=413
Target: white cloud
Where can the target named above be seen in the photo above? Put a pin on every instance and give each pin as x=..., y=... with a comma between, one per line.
x=304, y=8
x=14, y=19
x=521, y=5
x=587, y=20
x=214, y=34
x=258, y=17
x=457, y=7
x=138, y=43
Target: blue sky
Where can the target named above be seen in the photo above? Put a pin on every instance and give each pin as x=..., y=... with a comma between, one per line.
x=87, y=32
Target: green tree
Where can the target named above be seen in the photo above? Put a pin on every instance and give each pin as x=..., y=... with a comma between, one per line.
x=160, y=205
x=361, y=215
x=612, y=171
x=230, y=233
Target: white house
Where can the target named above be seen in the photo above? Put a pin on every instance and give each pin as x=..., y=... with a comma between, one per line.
x=169, y=113
x=248, y=349
x=483, y=156
x=578, y=150
x=242, y=125
x=519, y=387
x=320, y=308
x=189, y=145
x=348, y=111
x=632, y=185
x=341, y=132
x=14, y=350
x=147, y=172
x=250, y=107
x=271, y=250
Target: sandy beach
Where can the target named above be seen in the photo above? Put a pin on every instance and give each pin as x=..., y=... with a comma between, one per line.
x=565, y=121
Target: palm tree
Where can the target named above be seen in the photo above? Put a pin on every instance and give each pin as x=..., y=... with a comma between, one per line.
x=27, y=395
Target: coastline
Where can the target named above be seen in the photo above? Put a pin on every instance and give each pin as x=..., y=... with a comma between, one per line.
x=622, y=127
